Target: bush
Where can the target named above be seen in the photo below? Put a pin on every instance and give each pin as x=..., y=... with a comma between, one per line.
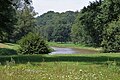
x=33, y=44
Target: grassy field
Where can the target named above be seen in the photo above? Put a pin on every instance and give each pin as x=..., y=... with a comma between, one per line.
x=102, y=66
x=71, y=45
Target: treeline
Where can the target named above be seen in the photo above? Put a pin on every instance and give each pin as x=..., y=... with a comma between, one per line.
x=96, y=25
x=55, y=26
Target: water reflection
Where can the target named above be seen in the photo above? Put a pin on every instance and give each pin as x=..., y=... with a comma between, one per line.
x=58, y=50
x=62, y=51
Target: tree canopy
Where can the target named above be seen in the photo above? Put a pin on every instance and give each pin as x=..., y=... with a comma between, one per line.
x=56, y=26
x=98, y=25
x=10, y=13
x=7, y=21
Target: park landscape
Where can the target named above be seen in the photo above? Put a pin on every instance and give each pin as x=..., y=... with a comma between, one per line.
x=27, y=42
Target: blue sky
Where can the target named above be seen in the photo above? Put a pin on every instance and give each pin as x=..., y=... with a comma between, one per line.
x=43, y=6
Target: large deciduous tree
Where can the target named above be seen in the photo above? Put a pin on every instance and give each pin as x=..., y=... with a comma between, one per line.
x=99, y=25
x=7, y=18
x=26, y=22
x=85, y=29
x=111, y=38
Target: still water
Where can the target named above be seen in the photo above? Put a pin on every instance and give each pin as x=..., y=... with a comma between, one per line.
x=62, y=51
x=58, y=50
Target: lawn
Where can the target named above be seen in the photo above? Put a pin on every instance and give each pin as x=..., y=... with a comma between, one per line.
x=100, y=66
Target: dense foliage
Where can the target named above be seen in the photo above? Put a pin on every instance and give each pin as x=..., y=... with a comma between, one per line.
x=98, y=25
x=14, y=16
x=33, y=44
x=111, y=39
x=86, y=29
x=7, y=21
x=56, y=26
x=25, y=23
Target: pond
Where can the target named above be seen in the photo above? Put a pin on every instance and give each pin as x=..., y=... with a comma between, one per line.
x=58, y=50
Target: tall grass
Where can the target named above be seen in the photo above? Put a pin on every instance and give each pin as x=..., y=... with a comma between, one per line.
x=58, y=71
x=60, y=67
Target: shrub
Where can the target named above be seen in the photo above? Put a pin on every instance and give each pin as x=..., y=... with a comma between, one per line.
x=33, y=44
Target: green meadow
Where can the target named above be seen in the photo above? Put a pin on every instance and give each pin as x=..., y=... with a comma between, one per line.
x=99, y=66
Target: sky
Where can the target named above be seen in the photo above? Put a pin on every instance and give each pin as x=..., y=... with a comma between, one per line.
x=43, y=6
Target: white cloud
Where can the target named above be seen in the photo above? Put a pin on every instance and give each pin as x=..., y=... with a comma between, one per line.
x=42, y=6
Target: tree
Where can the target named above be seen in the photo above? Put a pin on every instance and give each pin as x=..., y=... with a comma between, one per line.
x=61, y=33
x=78, y=34
x=7, y=18
x=46, y=24
x=111, y=39
x=85, y=30
x=26, y=22
x=111, y=20
x=98, y=25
